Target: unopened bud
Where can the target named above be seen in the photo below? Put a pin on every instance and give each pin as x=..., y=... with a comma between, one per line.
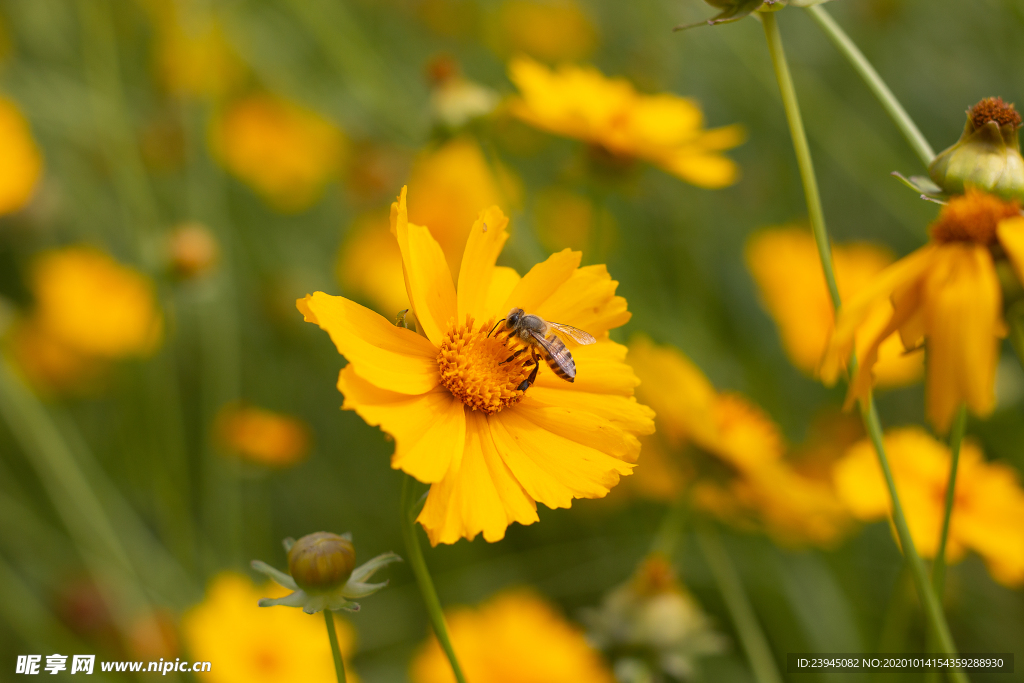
x=321, y=561
x=987, y=155
x=192, y=250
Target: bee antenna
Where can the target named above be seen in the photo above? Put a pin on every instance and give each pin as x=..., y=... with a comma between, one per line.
x=495, y=327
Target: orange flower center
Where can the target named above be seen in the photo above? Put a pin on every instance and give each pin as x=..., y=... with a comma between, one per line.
x=483, y=371
x=972, y=217
x=994, y=109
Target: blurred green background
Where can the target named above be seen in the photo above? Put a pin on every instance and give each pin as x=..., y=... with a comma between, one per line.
x=126, y=158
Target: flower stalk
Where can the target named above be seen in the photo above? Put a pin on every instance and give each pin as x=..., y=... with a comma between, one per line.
x=869, y=413
x=332, y=635
x=414, y=552
x=874, y=82
x=956, y=438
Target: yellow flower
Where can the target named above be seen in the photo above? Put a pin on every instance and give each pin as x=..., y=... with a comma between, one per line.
x=757, y=487
x=451, y=185
x=262, y=436
x=21, y=164
x=49, y=365
x=552, y=31
x=785, y=265
x=286, y=152
x=451, y=401
x=247, y=644
x=664, y=129
x=90, y=303
x=512, y=638
x=946, y=296
x=988, y=508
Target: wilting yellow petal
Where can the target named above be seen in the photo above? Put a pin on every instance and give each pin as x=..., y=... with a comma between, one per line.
x=391, y=357
x=429, y=429
x=486, y=239
x=544, y=278
x=963, y=301
x=1011, y=237
x=428, y=281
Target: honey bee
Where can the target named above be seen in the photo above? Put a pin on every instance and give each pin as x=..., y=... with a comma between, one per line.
x=542, y=335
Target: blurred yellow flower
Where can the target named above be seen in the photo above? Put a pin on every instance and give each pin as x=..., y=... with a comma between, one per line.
x=664, y=129
x=192, y=55
x=262, y=436
x=21, y=164
x=451, y=401
x=747, y=482
x=549, y=30
x=947, y=297
x=50, y=365
x=514, y=637
x=566, y=219
x=248, y=644
x=988, y=508
x=95, y=306
x=286, y=152
x=451, y=184
x=785, y=265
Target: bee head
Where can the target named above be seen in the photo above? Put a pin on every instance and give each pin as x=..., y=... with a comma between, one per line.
x=513, y=318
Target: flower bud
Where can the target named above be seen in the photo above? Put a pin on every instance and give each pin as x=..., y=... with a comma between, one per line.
x=321, y=561
x=192, y=250
x=987, y=155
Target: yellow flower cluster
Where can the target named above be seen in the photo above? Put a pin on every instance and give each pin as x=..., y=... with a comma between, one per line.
x=665, y=130
x=513, y=637
x=262, y=436
x=988, y=507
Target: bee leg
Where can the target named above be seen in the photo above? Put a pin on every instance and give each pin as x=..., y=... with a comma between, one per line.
x=525, y=384
x=512, y=357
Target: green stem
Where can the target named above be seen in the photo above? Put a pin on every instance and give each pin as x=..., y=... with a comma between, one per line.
x=955, y=439
x=1015, y=318
x=875, y=83
x=754, y=642
x=803, y=151
x=933, y=609
x=332, y=635
x=414, y=552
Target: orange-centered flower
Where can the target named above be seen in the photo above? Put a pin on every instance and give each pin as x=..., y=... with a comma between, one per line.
x=947, y=297
x=450, y=395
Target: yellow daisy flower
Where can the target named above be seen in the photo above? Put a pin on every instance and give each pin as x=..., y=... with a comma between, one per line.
x=946, y=296
x=21, y=164
x=262, y=436
x=785, y=265
x=664, y=129
x=286, y=152
x=988, y=508
x=514, y=637
x=746, y=480
x=450, y=396
x=248, y=644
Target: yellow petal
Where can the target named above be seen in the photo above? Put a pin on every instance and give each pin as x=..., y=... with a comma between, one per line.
x=503, y=281
x=600, y=368
x=478, y=495
x=486, y=239
x=707, y=170
x=1011, y=236
x=586, y=300
x=964, y=312
x=429, y=430
x=582, y=427
x=623, y=411
x=390, y=357
x=544, y=278
x=428, y=281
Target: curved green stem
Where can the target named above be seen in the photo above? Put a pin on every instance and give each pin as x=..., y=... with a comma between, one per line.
x=875, y=83
x=332, y=635
x=754, y=642
x=956, y=437
x=933, y=609
x=414, y=552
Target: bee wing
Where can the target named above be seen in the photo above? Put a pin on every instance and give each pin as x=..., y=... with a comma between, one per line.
x=557, y=356
x=574, y=333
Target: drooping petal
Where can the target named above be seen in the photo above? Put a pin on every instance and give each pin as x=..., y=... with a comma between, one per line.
x=486, y=239
x=1011, y=236
x=964, y=313
x=428, y=280
x=856, y=310
x=544, y=278
x=384, y=354
x=586, y=300
x=429, y=430
x=479, y=495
